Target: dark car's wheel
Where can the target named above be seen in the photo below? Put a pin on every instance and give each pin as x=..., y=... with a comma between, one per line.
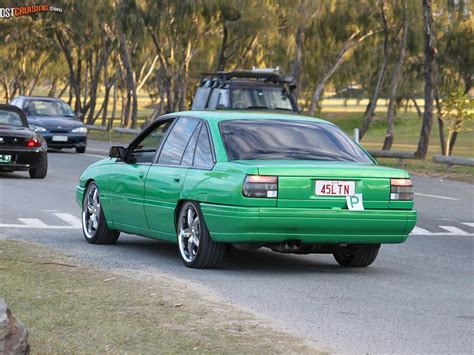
x=359, y=257
x=80, y=149
x=94, y=225
x=196, y=247
x=41, y=169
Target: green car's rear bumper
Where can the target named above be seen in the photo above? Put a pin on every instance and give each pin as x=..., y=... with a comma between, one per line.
x=273, y=224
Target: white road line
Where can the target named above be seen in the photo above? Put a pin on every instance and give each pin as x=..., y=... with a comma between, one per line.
x=437, y=196
x=14, y=226
x=450, y=230
x=95, y=155
x=470, y=224
x=69, y=219
x=98, y=150
x=455, y=230
x=33, y=222
x=420, y=231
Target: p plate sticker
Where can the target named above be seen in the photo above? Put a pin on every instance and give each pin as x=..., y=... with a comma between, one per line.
x=355, y=203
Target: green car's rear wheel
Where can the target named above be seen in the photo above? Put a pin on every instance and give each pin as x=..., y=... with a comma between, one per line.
x=360, y=257
x=94, y=225
x=196, y=247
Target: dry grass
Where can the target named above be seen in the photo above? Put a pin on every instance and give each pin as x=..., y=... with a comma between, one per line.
x=73, y=308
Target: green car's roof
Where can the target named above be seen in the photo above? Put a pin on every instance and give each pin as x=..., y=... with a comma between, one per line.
x=223, y=115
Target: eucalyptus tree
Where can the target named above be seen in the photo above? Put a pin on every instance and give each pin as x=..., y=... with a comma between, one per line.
x=429, y=52
x=381, y=72
x=176, y=29
x=454, y=47
x=332, y=39
x=389, y=136
x=24, y=55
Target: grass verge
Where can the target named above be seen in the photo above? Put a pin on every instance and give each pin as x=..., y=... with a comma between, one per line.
x=73, y=308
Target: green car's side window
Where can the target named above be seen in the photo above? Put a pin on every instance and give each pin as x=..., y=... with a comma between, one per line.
x=145, y=150
x=203, y=154
x=188, y=155
x=177, y=140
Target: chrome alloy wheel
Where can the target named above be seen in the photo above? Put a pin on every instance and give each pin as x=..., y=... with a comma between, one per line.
x=91, y=212
x=189, y=233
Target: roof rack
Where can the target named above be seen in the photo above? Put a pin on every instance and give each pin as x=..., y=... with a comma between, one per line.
x=267, y=74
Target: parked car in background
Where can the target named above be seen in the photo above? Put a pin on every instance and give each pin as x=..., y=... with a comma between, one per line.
x=256, y=89
x=55, y=121
x=20, y=147
x=205, y=179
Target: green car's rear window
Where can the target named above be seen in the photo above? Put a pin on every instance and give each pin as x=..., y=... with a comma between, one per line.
x=288, y=140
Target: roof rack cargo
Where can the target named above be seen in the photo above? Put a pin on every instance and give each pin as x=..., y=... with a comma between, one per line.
x=264, y=74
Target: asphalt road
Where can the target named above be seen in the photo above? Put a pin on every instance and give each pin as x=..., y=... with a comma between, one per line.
x=418, y=297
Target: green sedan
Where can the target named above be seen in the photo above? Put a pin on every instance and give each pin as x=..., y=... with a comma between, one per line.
x=213, y=180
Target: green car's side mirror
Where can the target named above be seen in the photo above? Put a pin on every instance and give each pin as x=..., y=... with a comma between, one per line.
x=117, y=152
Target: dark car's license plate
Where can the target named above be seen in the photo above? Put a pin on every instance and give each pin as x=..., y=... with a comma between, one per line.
x=5, y=159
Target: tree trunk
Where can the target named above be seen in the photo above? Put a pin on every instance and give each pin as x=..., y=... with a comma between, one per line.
x=73, y=80
x=106, y=98
x=418, y=110
x=452, y=142
x=6, y=90
x=52, y=89
x=442, y=141
x=114, y=107
x=348, y=44
x=32, y=85
x=428, y=75
x=130, y=113
x=296, y=66
x=159, y=108
x=387, y=145
x=369, y=114
x=222, y=55
x=77, y=88
x=61, y=93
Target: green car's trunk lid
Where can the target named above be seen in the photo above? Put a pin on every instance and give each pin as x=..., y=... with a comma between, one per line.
x=297, y=179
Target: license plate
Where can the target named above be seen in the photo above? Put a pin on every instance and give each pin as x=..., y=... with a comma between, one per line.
x=5, y=158
x=59, y=138
x=334, y=188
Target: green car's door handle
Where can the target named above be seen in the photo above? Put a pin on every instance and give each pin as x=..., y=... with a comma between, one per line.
x=141, y=174
x=177, y=178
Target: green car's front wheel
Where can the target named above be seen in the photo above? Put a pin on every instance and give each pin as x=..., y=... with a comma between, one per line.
x=196, y=247
x=94, y=225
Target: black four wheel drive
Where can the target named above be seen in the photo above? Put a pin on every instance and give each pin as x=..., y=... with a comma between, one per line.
x=256, y=89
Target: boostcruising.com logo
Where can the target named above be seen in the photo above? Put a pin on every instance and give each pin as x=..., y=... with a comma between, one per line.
x=17, y=11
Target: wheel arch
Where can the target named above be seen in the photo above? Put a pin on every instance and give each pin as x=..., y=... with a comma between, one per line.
x=180, y=203
x=86, y=185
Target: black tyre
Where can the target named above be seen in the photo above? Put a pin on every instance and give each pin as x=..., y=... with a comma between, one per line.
x=40, y=171
x=358, y=256
x=196, y=247
x=80, y=149
x=94, y=225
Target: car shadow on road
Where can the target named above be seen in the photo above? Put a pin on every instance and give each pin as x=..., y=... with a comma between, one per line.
x=14, y=175
x=238, y=261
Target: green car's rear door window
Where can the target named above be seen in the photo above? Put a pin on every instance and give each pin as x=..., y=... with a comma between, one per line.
x=188, y=155
x=203, y=155
x=177, y=141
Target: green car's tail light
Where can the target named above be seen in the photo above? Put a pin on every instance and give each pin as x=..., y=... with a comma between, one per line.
x=260, y=186
x=401, y=189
